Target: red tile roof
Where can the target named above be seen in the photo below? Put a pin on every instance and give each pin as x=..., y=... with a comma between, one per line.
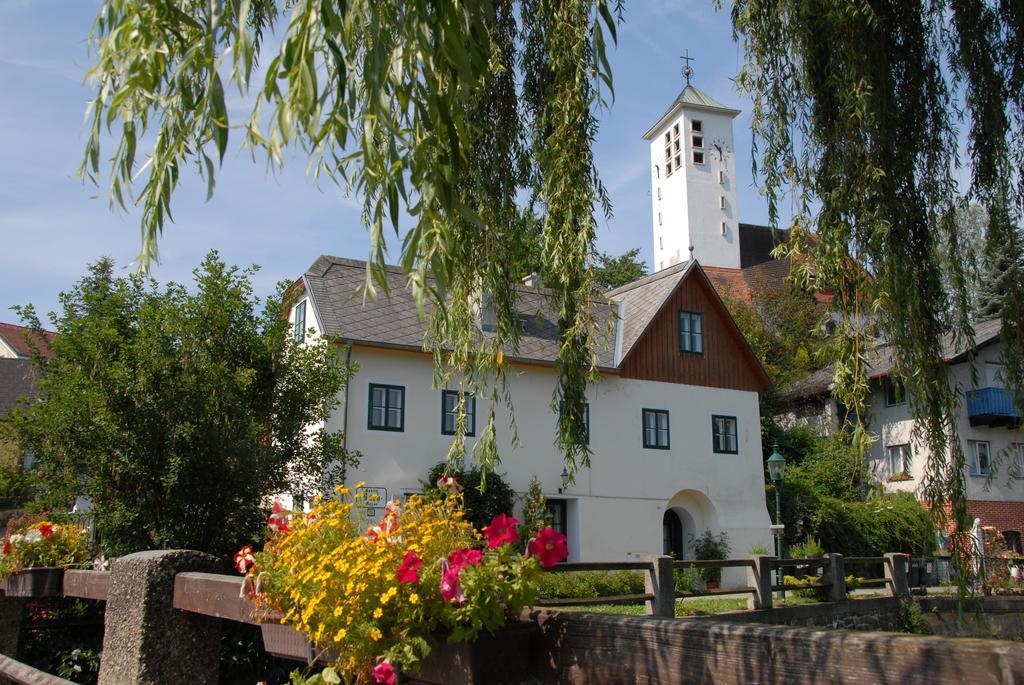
x=16, y=336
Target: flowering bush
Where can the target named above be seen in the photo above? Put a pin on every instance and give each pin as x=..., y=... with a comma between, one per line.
x=376, y=598
x=44, y=543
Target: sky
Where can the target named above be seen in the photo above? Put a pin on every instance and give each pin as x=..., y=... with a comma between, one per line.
x=52, y=225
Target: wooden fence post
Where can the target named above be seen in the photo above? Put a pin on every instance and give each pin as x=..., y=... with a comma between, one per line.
x=759, y=577
x=896, y=575
x=837, y=568
x=146, y=640
x=660, y=582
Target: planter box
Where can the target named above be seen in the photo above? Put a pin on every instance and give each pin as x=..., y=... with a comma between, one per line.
x=489, y=660
x=45, y=581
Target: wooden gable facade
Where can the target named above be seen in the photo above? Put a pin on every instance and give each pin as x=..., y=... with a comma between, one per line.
x=727, y=360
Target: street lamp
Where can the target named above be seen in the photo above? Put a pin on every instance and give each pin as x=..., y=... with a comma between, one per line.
x=776, y=470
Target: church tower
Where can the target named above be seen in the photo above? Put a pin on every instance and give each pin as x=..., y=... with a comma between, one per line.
x=693, y=182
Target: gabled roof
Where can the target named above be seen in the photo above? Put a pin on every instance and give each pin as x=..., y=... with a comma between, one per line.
x=393, y=321
x=689, y=98
x=14, y=337
x=881, y=361
x=17, y=379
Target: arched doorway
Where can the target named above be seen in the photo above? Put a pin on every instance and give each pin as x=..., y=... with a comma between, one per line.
x=690, y=513
x=672, y=534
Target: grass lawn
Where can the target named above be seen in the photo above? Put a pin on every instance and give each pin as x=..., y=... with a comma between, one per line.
x=691, y=607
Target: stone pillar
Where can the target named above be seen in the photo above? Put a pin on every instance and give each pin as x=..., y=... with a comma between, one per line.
x=837, y=568
x=759, y=577
x=896, y=574
x=12, y=611
x=146, y=640
x=660, y=582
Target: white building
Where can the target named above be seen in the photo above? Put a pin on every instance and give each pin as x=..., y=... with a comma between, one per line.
x=988, y=424
x=674, y=421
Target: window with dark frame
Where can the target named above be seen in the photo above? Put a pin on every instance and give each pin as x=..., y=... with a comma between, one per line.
x=691, y=332
x=387, y=408
x=723, y=434
x=895, y=394
x=655, y=429
x=450, y=413
x=1012, y=539
x=299, y=328
x=557, y=511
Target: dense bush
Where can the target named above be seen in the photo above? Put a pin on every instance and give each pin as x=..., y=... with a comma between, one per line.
x=588, y=584
x=480, y=502
x=712, y=546
x=813, y=586
x=890, y=523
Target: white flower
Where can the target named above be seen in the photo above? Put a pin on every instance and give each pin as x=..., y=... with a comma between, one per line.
x=33, y=536
x=17, y=537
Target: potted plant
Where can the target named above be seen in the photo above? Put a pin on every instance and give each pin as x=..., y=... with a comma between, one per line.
x=421, y=592
x=712, y=547
x=35, y=555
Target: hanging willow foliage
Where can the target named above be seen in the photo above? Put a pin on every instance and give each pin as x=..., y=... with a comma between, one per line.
x=858, y=111
x=448, y=110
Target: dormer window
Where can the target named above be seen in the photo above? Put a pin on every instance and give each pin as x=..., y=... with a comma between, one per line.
x=299, y=322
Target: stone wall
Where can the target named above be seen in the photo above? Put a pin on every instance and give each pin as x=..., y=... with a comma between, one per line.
x=880, y=613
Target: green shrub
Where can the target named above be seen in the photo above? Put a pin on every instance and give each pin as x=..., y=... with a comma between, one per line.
x=686, y=579
x=813, y=586
x=481, y=505
x=891, y=523
x=588, y=584
x=759, y=550
x=911, y=618
x=711, y=546
x=808, y=549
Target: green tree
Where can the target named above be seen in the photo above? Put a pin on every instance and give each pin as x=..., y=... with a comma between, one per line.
x=857, y=109
x=611, y=272
x=484, y=496
x=178, y=411
x=535, y=511
x=451, y=111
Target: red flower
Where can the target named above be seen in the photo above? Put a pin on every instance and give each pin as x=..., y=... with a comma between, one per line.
x=451, y=586
x=244, y=559
x=450, y=484
x=467, y=556
x=502, y=530
x=7, y=547
x=408, y=570
x=384, y=673
x=46, y=529
x=549, y=546
x=278, y=520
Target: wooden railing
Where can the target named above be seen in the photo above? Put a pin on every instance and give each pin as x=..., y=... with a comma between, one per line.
x=220, y=596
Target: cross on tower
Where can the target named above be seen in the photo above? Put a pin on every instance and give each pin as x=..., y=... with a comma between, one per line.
x=687, y=71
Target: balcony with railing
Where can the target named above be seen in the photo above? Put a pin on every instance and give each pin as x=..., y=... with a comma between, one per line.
x=992, y=407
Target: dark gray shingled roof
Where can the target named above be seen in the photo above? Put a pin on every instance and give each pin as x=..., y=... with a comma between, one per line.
x=641, y=300
x=882, y=362
x=392, y=320
x=17, y=379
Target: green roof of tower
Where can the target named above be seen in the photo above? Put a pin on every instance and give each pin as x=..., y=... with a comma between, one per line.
x=690, y=97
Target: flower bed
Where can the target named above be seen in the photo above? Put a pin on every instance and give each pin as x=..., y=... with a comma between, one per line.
x=377, y=599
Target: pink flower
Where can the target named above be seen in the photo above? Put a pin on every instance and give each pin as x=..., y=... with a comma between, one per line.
x=244, y=559
x=46, y=529
x=279, y=518
x=467, y=556
x=449, y=484
x=502, y=530
x=408, y=570
x=549, y=546
x=384, y=673
x=451, y=587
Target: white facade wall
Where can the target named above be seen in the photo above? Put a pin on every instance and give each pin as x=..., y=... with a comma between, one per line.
x=615, y=508
x=687, y=204
x=894, y=426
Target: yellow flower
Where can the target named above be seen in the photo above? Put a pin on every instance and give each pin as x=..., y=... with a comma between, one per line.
x=340, y=635
x=388, y=594
x=374, y=634
x=377, y=613
x=414, y=598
